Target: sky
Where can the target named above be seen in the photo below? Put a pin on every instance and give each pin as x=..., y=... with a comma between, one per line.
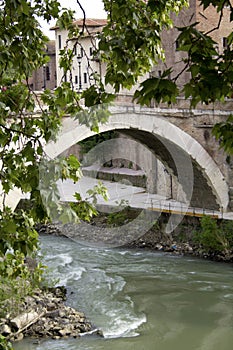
x=93, y=9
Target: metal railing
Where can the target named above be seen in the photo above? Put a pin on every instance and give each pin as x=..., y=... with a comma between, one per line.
x=180, y=208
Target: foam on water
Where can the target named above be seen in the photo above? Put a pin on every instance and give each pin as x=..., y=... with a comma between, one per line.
x=67, y=259
x=99, y=291
x=101, y=295
x=71, y=276
x=61, y=267
x=113, y=311
x=228, y=297
x=124, y=327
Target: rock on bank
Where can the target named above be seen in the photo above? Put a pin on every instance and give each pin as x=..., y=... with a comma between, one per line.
x=45, y=315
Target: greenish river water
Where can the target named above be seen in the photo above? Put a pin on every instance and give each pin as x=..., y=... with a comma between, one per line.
x=142, y=300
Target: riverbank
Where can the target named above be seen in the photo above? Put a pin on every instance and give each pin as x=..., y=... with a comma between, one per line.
x=184, y=240
x=178, y=246
x=45, y=315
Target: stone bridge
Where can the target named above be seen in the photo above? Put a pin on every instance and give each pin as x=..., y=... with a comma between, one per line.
x=179, y=137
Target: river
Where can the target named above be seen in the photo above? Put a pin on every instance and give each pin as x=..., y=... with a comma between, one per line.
x=141, y=300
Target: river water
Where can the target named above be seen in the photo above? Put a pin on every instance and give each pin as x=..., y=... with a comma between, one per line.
x=141, y=299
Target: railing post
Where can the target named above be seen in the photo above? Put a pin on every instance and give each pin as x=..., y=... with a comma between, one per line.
x=222, y=212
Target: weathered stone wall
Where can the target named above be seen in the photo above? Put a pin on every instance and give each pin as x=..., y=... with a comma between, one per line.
x=207, y=20
x=45, y=77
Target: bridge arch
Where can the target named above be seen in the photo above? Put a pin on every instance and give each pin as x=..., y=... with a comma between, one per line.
x=158, y=134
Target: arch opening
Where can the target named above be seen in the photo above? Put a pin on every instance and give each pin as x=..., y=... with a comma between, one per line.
x=210, y=189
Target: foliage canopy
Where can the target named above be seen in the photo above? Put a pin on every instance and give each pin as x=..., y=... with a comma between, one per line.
x=130, y=45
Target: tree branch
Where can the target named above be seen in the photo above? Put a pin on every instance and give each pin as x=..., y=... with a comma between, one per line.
x=20, y=132
x=84, y=17
x=219, y=22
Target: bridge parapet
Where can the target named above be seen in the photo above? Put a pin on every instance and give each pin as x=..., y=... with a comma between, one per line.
x=181, y=103
x=126, y=99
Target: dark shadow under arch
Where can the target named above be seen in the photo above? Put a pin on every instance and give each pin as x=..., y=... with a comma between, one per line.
x=203, y=195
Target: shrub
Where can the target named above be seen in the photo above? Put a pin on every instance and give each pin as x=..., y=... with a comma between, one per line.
x=214, y=237
x=5, y=344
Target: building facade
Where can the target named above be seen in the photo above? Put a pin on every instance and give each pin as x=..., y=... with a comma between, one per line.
x=85, y=63
x=46, y=77
x=206, y=20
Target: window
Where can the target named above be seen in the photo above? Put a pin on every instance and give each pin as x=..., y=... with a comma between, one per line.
x=76, y=79
x=224, y=43
x=47, y=73
x=59, y=41
x=75, y=50
x=85, y=78
x=91, y=51
x=81, y=52
x=177, y=44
